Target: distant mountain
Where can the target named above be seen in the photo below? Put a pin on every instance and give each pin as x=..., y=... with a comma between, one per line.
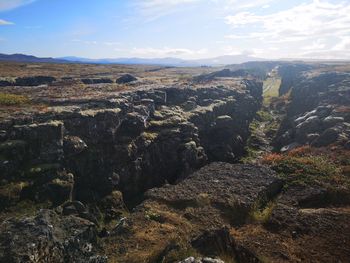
x=137, y=61
x=227, y=60
x=222, y=60
x=177, y=62
x=29, y=59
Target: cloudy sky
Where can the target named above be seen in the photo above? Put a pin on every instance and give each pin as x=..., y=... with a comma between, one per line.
x=176, y=28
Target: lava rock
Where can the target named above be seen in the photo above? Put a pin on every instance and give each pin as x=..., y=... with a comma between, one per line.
x=48, y=237
x=73, y=145
x=127, y=78
x=328, y=137
x=34, y=81
x=232, y=187
x=97, y=81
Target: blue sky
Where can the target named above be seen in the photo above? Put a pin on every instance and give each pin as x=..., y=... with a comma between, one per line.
x=176, y=28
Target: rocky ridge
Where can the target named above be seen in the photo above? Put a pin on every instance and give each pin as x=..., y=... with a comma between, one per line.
x=152, y=175
x=93, y=152
x=318, y=113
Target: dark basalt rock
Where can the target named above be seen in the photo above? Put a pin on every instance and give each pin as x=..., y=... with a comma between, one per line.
x=234, y=189
x=220, y=242
x=6, y=83
x=127, y=78
x=73, y=145
x=290, y=73
x=97, y=81
x=312, y=115
x=34, y=81
x=225, y=73
x=146, y=138
x=49, y=237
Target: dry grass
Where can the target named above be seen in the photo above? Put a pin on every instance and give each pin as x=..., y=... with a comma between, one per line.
x=271, y=89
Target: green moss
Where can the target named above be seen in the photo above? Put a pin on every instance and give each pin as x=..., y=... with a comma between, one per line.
x=170, y=122
x=264, y=115
x=42, y=168
x=262, y=215
x=12, y=99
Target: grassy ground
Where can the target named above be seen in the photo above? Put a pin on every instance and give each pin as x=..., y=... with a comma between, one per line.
x=271, y=88
x=265, y=124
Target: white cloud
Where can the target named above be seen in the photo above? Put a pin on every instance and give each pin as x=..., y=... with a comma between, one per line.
x=5, y=23
x=315, y=19
x=344, y=44
x=12, y=4
x=316, y=26
x=319, y=44
x=166, y=51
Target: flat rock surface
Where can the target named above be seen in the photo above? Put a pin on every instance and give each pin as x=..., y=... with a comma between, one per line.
x=223, y=183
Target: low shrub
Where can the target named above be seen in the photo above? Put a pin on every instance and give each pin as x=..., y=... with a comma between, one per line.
x=302, y=166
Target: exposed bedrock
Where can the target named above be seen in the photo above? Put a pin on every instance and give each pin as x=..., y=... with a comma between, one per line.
x=318, y=113
x=49, y=237
x=290, y=73
x=234, y=190
x=130, y=143
x=201, y=209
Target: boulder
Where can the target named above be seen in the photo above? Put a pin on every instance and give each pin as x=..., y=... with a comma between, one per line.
x=328, y=137
x=290, y=147
x=310, y=125
x=73, y=145
x=331, y=121
x=127, y=78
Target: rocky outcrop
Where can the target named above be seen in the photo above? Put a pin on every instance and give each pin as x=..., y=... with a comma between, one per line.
x=126, y=78
x=318, y=113
x=96, y=81
x=225, y=73
x=49, y=237
x=6, y=83
x=34, y=81
x=132, y=143
x=220, y=242
x=290, y=75
x=234, y=189
x=199, y=208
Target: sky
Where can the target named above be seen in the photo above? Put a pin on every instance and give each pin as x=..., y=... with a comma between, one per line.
x=188, y=29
